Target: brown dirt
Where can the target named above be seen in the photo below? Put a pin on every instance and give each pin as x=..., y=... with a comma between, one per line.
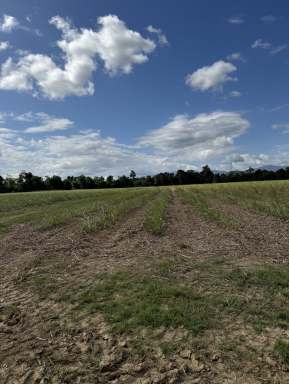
x=41, y=343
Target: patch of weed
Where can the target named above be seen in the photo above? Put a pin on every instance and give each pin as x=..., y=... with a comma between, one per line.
x=282, y=351
x=135, y=302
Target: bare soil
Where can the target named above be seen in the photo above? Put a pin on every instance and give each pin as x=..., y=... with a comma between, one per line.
x=41, y=342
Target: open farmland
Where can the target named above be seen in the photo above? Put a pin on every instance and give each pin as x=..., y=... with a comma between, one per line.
x=183, y=284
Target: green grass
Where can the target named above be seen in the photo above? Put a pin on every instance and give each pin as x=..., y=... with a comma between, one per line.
x=135, y=302
x=272, y=278
x=163, y=299
x=90, y=208
x=95, y=209
x=267, y=290
x=155, y=214
x=197, y=198
x=268, y=197
x=107, y=213
x=282, y=351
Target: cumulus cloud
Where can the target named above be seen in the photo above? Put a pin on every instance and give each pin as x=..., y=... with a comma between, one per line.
x=237, y=20
x=50, y=124
x=211, y=77
x=161, y=36
x=8, y=23
x=4, y=45
x=184, y=143
x=197, y=138
x=241, y=161
x=5, y=130
x=86, y=152
x=43, y=121
x=118, y=47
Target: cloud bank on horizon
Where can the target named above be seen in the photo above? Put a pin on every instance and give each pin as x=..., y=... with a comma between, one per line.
x=50, y=143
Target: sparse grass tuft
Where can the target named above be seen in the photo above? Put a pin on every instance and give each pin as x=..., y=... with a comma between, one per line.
x=282, y=351
x=155, y=214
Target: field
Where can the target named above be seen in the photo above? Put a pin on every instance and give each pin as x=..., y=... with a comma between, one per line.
x=181, y=284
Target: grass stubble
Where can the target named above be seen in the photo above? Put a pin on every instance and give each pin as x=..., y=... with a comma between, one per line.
x=214, y=298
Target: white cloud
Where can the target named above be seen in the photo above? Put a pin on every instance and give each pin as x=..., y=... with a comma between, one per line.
x=5, y=130
x=279, y=107
x=2, y=117
x=260, y=43
x=31, y=116
x=86, y=152
x=283, y=127
x=241, y=161
x=8, y=23
x=235, y=94
x=236, y=56
x=161, y=36
x=183, y=143
x=50, y=124
x=237, y=20
x=43, y=121
x=211, y=77
x=278, y=49
x=268, y=19
x=197, y=138
x=4, y=45
x=117, y=46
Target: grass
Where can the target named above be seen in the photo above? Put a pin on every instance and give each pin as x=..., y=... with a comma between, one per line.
x=95, y=209
x=274, y=279
x=282, y=351
x=135, y=302
x=268, y=197
x=90, y=208
x=267, y=290
x=198, y=200
x=175, y=304
x=107, y=213
x=154, y=220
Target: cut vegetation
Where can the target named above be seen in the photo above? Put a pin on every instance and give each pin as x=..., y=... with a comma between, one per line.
x=186, y=284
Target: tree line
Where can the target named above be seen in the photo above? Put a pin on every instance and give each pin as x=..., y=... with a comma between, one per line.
x=27, y=182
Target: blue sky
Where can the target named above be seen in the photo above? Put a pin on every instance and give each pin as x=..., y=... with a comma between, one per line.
x=102, y=87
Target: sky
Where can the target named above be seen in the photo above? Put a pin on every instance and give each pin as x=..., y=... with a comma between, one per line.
x=100, y=87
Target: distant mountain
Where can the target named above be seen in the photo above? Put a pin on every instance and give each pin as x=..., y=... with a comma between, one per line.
x=271, y=167
x=268, y=167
